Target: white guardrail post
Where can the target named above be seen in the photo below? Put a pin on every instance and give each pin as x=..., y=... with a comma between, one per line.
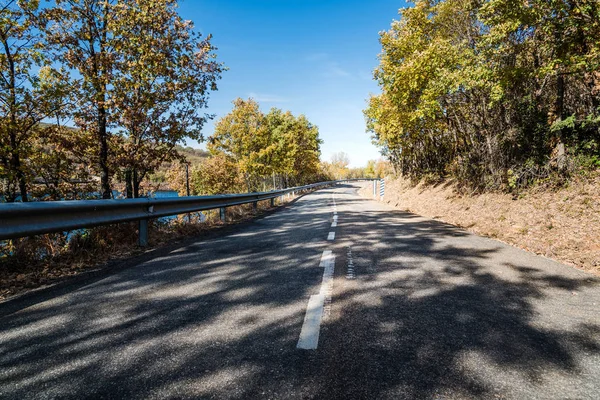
x=381, y=188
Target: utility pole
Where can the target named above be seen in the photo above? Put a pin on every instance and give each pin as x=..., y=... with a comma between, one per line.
x=187, y=178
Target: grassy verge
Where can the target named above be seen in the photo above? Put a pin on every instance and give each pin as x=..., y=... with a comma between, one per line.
x=562, y=223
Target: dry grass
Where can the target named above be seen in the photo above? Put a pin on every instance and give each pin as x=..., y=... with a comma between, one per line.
x=562, y=224
x=42, y=260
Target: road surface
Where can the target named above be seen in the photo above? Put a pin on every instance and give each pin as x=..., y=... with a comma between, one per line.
x=332, y=297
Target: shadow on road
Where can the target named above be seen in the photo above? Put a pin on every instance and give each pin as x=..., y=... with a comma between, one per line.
x=434, y=312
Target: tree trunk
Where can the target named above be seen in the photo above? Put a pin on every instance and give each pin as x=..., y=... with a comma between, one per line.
x=15, y=160
x=560, y=112
x=136, y=184
x=104, y=170
x=16, y=164
x=560, y=97
x=128, y=184
x=101, y=87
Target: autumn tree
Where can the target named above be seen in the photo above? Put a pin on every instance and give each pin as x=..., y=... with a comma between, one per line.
x=270, y=150
x=488, y=91
x=304, y=150
x=339, y=165
x=217, y=175
x=87, y=35
x=293, y=149
x=30, y=91
x=60, y=162
x=161, y=85
x=370, y=169
x=242, y=136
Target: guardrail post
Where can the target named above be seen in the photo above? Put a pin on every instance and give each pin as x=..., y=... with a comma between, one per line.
x=272, y=201
x=222, y=213
x=254, y=206
x=143, y=233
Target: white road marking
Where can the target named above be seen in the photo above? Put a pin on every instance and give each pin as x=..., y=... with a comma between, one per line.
x=331, y=236
x=326, y=258
x=350, y=268
x=335, y=218
x=309, y=335
x=334, y=224
x=319, y=306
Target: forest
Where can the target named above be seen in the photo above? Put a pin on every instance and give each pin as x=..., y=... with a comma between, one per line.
x=495, y=94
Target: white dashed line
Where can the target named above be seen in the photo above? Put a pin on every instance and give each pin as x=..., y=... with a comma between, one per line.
x=318, y=306
x=309, y=335
x=334, y=224
x=331, y=236
x=326, y=258
x=335, y=218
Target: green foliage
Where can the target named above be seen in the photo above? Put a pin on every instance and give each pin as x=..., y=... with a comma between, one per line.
x=476, y=89
x=269, y=150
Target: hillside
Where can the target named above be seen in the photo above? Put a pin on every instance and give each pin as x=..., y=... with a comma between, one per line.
x=562, y=224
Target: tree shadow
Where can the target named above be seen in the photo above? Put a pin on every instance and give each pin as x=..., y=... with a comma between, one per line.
x=434, y=313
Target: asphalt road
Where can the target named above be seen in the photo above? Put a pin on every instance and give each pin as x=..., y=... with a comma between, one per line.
x=403, y=308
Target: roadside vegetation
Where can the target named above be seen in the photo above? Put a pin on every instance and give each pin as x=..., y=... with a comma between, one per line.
x=489, y=113
x=495, y=94
x=563, y=223
x=255, y=151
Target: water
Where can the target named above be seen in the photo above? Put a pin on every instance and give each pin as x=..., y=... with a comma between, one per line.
x=163, y=194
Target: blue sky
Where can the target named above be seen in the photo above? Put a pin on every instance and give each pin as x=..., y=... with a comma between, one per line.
x=310, y=57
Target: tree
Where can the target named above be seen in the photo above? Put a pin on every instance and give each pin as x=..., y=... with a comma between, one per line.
x=60, y=163
x=276, y=149
x=217, y=175
x=303, y=144
x=481, y=89
x=242, y=135
x=370, y=169
x=339, y=165
x=161, y=85
x=26, y=98
x=86, y=35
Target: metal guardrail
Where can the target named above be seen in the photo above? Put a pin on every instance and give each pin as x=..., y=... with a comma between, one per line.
x=34, y=218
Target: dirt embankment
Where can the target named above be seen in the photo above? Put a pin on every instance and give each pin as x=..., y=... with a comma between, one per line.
x=562, y=224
